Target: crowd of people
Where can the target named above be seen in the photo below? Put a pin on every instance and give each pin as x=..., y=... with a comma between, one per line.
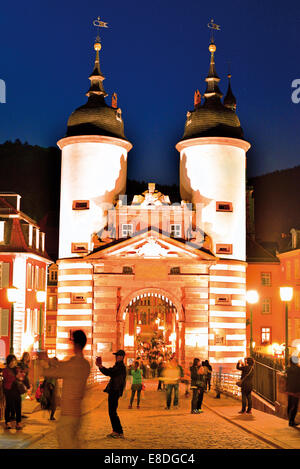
x=75, y=371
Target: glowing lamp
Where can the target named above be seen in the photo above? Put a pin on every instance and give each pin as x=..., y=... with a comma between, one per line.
x=252, y=296
x=286, y=293
x=41, y=296
x=12, y=294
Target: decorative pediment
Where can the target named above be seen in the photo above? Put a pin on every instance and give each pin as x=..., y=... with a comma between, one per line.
x=151, y=245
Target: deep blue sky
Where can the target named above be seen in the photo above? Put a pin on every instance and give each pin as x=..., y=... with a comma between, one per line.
x=154, y=55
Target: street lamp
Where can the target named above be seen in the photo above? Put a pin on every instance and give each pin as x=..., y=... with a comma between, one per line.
x=40, y=298
x=286, y=294
x=12, y=294
x=251, y=298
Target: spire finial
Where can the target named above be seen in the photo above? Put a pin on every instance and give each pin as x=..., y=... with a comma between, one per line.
x=213, y=27
x=96, y=77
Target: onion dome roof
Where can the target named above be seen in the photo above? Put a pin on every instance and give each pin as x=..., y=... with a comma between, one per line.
x=96, y=117
x=213, y=118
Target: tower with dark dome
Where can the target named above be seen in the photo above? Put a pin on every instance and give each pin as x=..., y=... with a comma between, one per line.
x=94, y=166
x=213, y=165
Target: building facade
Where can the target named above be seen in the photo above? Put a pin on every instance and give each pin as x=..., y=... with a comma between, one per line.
x=122, y=262
x=23, y=265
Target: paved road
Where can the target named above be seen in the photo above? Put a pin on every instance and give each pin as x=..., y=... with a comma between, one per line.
x=153, y=427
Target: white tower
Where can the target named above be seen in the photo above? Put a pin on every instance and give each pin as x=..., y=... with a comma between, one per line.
x=213, y=168
x=93, y=167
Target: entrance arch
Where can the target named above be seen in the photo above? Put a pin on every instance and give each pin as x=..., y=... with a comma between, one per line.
x=151, y=321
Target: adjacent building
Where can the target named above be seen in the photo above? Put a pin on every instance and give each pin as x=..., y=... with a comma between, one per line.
x=23, y=265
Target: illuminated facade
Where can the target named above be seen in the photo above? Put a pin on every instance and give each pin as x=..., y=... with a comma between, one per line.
x=23, y=265
x=116, y=257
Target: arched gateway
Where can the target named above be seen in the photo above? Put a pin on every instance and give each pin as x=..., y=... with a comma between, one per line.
x=151, y=320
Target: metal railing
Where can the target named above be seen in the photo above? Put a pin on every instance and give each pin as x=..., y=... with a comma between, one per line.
x=226, y=383
x=265, y=382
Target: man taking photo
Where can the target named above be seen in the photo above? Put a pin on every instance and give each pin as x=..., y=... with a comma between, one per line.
x=115, y=389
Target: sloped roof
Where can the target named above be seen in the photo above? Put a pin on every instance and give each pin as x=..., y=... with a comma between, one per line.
x=257, y=253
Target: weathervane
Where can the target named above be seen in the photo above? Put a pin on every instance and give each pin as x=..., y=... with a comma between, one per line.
x=213, y=26
x=99, y=24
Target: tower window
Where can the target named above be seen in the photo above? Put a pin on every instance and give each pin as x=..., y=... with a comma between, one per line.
x=224, y=207
x=79, y=247
x=78, y=298
x=175, y=271
x=127, y=270
x=224, y=248
x=81, y=205
x=223, y=300
x=175, y=231
x=127, y=230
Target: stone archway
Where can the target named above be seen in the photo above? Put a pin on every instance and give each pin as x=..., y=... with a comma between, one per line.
x=144, y=299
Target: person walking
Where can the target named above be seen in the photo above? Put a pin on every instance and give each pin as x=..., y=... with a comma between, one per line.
x=24, y=365
x=50, y=388
x=247, y=376
x=198, y=384
x=171, y=377
x=74, y=373
x=160, y=369
x=13, y=389
x=115, y=389
x=136, y=386
x=293, y=389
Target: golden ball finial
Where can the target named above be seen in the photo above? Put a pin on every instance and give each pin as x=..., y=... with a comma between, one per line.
x=212, y=48
x=97, y=46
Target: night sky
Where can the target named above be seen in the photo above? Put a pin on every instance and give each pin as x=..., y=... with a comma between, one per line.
x=154, y=56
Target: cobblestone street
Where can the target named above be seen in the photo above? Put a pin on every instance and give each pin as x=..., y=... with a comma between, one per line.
x=153, y=427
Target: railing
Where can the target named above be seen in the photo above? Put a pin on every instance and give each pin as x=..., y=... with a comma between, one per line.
x=95, y=377
x=226, y=383
x=265, y=382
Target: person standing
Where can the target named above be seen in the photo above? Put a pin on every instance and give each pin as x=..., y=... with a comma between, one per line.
x=247, y=384
x=198, y=384
x=24, y=365
x=208, y=372
x=171, y=377
x=136, y=386
x=293, y=389
x=13, y=388
x=74, y=373
x=115, y=389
